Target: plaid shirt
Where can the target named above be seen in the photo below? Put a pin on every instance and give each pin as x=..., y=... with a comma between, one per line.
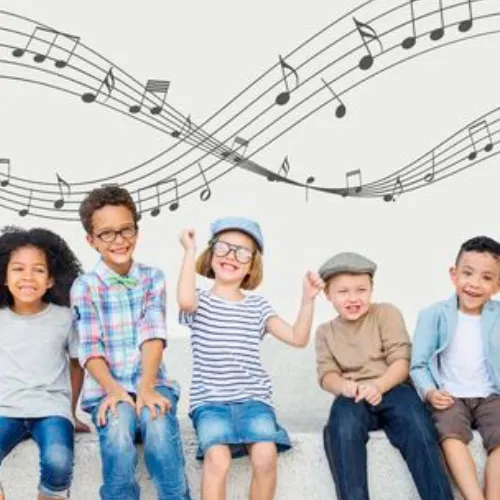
x=113, y=321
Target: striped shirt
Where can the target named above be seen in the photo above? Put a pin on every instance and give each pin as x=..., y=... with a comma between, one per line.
x=113, y=321
x=225, y=342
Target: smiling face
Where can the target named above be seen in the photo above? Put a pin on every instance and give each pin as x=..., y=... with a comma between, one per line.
x=28, y=278
x=115, y=249
x=350, y=294
x=476, y=278
x=229, y=269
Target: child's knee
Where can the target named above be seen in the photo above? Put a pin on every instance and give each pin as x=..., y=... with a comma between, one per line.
x=217, y=461
x=56, y=464
x=263, y=457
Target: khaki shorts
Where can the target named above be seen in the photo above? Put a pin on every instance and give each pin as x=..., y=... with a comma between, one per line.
x=466, y=414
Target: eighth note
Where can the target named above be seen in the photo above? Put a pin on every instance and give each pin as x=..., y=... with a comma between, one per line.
x=284, y=97
x=438, y=33
x=108, y=82
x=187, y=125
x=59, y=203
x=341, y=109
x=5, y=161
x=153, y=87
x=466, y=25
x=410, y=41
x=172, y=206
x=367, y=32
x=397, y=185
x=285, y=167
x=348, y=175
x=473, y=129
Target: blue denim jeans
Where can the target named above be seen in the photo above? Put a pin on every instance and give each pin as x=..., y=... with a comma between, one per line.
x=162, y=452
x=55, y=439
x=408, y=426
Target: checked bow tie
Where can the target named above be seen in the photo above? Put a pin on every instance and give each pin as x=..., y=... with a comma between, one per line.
x=127, y=281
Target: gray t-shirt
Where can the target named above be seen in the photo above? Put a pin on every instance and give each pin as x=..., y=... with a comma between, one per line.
x=34, y=363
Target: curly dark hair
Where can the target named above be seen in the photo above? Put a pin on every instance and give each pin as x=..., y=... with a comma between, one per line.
x=63, y=265
x=101, y=197
x=480, y=244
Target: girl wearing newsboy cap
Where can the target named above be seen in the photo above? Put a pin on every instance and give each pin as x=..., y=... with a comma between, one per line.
x=230, y=398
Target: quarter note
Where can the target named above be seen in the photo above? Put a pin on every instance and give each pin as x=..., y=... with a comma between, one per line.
x=108, y=82
x=39, y=57
x=341, y=109
x=429, y=176
x=367, y=33
x=284, y=97
x=398, y=185
x=25, y=211
x=206, y=192
x=153, y=87
x=466, y=25
x=5, y=161
x=59, y=203
x=475, y=129
x=438, y=33
x=172, y=206
x=187, y=124
x=309, y=181
x=353, y=174
x=410, y=41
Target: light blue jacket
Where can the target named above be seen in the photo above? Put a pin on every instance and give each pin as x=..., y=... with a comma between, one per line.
x=435, y=325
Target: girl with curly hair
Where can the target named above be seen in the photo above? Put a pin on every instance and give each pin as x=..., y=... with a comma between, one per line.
x=39, y=371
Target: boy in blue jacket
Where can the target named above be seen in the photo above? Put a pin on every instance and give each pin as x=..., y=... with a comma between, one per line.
x=456, y=365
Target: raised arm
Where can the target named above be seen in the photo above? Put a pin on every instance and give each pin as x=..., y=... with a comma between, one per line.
x=186, y=285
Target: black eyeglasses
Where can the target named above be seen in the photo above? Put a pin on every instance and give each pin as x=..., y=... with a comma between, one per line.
x=243, y=254
x=109, y=235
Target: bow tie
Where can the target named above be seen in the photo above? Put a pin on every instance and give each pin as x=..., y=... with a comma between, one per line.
x=127, y=281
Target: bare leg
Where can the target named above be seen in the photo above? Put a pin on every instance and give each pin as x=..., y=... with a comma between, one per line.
x=492, y=476
x=42, y=497
x=215, y=469
x=462, y=468
x=263, y=457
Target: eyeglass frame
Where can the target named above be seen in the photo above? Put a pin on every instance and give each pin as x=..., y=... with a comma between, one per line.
x=134, y=227
x=232, y=248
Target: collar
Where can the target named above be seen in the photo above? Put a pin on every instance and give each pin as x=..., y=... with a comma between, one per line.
x=107, y=275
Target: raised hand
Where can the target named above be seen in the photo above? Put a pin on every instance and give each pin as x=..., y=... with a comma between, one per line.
x=187, y=239
x=312, y=285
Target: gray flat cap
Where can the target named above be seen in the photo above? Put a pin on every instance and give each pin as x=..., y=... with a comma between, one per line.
x=347, y=262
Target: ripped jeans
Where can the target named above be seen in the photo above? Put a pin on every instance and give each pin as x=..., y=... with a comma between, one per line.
x=162, y=452
x=54, y=437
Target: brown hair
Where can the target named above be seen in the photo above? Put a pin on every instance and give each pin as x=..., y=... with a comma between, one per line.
x=251, y=281
x=104, y=196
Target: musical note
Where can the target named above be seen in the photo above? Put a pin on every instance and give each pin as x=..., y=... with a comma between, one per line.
x=39, y=57
x=474, y=129
x=108, y=82
x=438, y=33
x=341, y=109
x=61, y=182
x=397, y=185
x=348, y=175
x=367, y=33
x=5, y=161
x=206, y=192
x=187, y=124
x=239, y=142
x=284, y=97
x=429, y=176
x=309, y=181
x=172, y=206
x=25, y=211
x=139, y=205
x=466, y=25
x=410, y=41
x=285, y=167
x=153, y=87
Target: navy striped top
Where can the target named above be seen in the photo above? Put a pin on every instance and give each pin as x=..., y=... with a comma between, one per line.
x=225, y=342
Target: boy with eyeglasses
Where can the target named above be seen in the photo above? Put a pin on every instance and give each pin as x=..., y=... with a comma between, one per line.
x=119, y=312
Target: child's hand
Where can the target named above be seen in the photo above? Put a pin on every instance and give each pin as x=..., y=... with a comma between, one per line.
x=312, y=285
x=370, y=392
x=440, y=400
x=152, y=399
x=81, y=427
x=349, y=389
x=187, y=239
x=110, y=402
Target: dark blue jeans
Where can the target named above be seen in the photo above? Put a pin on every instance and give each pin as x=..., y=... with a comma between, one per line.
x=409, y=428
x=54, y=437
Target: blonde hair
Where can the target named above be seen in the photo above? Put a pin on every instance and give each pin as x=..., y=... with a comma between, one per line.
x=250, y=282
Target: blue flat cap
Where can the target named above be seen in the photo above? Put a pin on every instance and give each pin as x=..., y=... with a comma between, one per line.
x=347, y=262
x=246, y=226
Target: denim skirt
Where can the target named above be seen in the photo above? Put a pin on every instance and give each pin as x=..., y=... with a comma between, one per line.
x=237, y=425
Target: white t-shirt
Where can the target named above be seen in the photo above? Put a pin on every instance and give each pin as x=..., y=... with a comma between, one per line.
x=34, y=363
x=463, y=369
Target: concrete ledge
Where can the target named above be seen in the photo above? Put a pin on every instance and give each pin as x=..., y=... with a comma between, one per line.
x=302, y=473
